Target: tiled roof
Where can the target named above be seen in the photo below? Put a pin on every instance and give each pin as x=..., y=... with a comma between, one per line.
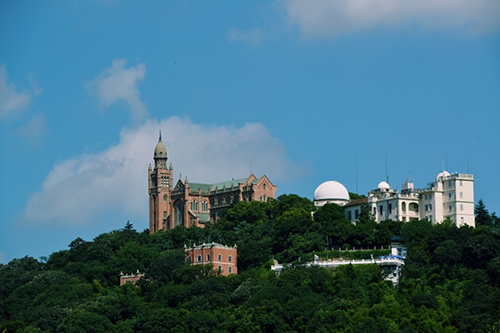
x=204, y=217
x=356, y=202
x=202, y=187
x=211, y=187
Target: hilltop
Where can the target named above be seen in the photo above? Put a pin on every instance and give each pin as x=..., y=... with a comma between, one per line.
x=450, y=282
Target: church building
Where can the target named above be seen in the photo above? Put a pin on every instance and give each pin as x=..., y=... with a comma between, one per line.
x=195, y=204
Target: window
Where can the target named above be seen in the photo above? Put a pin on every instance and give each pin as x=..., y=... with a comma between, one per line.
x=425, y=197
x=449, y=195
x=390, y=208
x=165, y=197
x=264, y=186
x=449, y=184
x=208, y=257
x=462, y=220
x=430, y=218
x=189, y=259
x=449, y=208
x=381, y=210
x=426, y=207
x=219, y=257
x=356, y=214
x=374, y=210
x=220, y=268
x=164, y=215
x=461, y=195
x=430, y=196
x=198, y=258
x=461, y=183
x=230, y=259
x=230, y=269
x=461, y=207
x=430, y=207
x=349, y=217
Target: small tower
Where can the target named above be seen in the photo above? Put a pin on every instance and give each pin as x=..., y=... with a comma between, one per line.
x=160, y=187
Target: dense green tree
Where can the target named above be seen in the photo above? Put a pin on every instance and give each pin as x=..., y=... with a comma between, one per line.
x=483, y=217
x=449, y=281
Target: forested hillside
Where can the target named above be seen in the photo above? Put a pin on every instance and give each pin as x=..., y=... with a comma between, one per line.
x=450, y=283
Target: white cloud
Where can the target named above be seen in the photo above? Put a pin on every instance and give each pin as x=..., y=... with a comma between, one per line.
x=35, y=129
x=334, y=17
x=11, y=101
x=252, y=36
x=117, y=83
x=79, y=189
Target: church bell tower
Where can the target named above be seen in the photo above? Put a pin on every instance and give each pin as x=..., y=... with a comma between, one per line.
x=160, y=186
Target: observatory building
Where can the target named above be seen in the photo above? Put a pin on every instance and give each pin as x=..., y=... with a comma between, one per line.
x=448, y=196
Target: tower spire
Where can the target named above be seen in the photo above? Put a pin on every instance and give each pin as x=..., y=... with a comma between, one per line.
x=160, y=135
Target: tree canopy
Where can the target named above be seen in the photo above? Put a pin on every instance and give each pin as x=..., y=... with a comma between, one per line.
x=450, y=281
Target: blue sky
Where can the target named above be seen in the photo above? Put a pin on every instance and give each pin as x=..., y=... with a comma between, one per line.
x=303, y=91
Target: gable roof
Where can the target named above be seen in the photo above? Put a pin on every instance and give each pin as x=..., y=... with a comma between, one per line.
x=211, y=187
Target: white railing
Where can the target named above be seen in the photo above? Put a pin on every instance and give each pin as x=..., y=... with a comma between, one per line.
x=335, y=263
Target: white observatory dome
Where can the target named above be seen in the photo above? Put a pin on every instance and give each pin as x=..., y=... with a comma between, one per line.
x=443, y=174
x=331, y=192
x=383, y=185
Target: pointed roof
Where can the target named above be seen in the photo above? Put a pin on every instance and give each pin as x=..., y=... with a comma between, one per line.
x=160, y=150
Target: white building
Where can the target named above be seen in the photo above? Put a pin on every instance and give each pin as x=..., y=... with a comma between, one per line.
x=449, y=196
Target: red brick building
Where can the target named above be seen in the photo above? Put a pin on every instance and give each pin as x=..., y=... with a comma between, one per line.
x=134, y=277
x=194, y=204
x=222, y=258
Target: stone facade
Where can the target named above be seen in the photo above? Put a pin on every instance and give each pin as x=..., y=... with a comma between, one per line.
x=222, y=258
x=194, y=204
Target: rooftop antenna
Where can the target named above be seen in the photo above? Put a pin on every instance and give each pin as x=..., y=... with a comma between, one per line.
x=446, y=161
x=386, y=175
x=442, y=165
x=357, y=174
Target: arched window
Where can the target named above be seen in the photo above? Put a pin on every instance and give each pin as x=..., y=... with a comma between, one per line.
x=230, y=269
x=220, y=257
x=179, y=214
x=208, y=257
x=230, y=258
x=220, y=268
x=198, y=258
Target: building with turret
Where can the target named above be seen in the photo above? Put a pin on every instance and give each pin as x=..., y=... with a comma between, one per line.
x=195, y=204
x=450, y=196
